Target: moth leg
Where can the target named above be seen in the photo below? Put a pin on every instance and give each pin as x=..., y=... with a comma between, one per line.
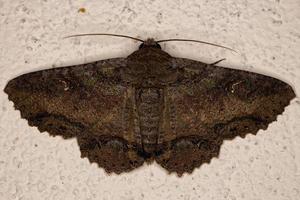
x=185, y=154
x=218, y=61
x=111, y=153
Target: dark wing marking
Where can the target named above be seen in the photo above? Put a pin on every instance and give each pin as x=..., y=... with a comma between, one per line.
x=212, y=104
x=84, y=101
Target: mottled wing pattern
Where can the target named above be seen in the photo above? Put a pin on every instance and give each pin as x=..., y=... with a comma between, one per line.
x=84, y=101
x=211, y=104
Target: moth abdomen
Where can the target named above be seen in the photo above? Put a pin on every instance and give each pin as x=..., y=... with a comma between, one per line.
x=149, y=107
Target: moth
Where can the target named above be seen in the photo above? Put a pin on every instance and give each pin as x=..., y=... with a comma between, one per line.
x=148, y=107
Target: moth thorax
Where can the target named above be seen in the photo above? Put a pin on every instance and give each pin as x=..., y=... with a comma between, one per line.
x=148, y=63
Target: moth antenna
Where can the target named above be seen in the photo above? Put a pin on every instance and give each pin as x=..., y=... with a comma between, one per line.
x=198, y=41
x=108, y=34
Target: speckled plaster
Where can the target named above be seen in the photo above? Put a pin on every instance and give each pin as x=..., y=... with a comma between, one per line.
x=265, y=33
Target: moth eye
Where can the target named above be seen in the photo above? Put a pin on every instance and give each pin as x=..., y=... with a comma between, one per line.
x=141, y=46
x=157, y=45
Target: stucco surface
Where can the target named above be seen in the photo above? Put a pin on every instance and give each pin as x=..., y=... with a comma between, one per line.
x=266, y=34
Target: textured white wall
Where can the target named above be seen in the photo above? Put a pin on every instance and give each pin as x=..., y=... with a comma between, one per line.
x=267, y=35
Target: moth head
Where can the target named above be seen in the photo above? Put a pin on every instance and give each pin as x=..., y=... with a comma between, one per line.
x=149, y=43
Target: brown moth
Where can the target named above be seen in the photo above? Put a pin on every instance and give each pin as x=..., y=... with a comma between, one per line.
x=149, y=107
